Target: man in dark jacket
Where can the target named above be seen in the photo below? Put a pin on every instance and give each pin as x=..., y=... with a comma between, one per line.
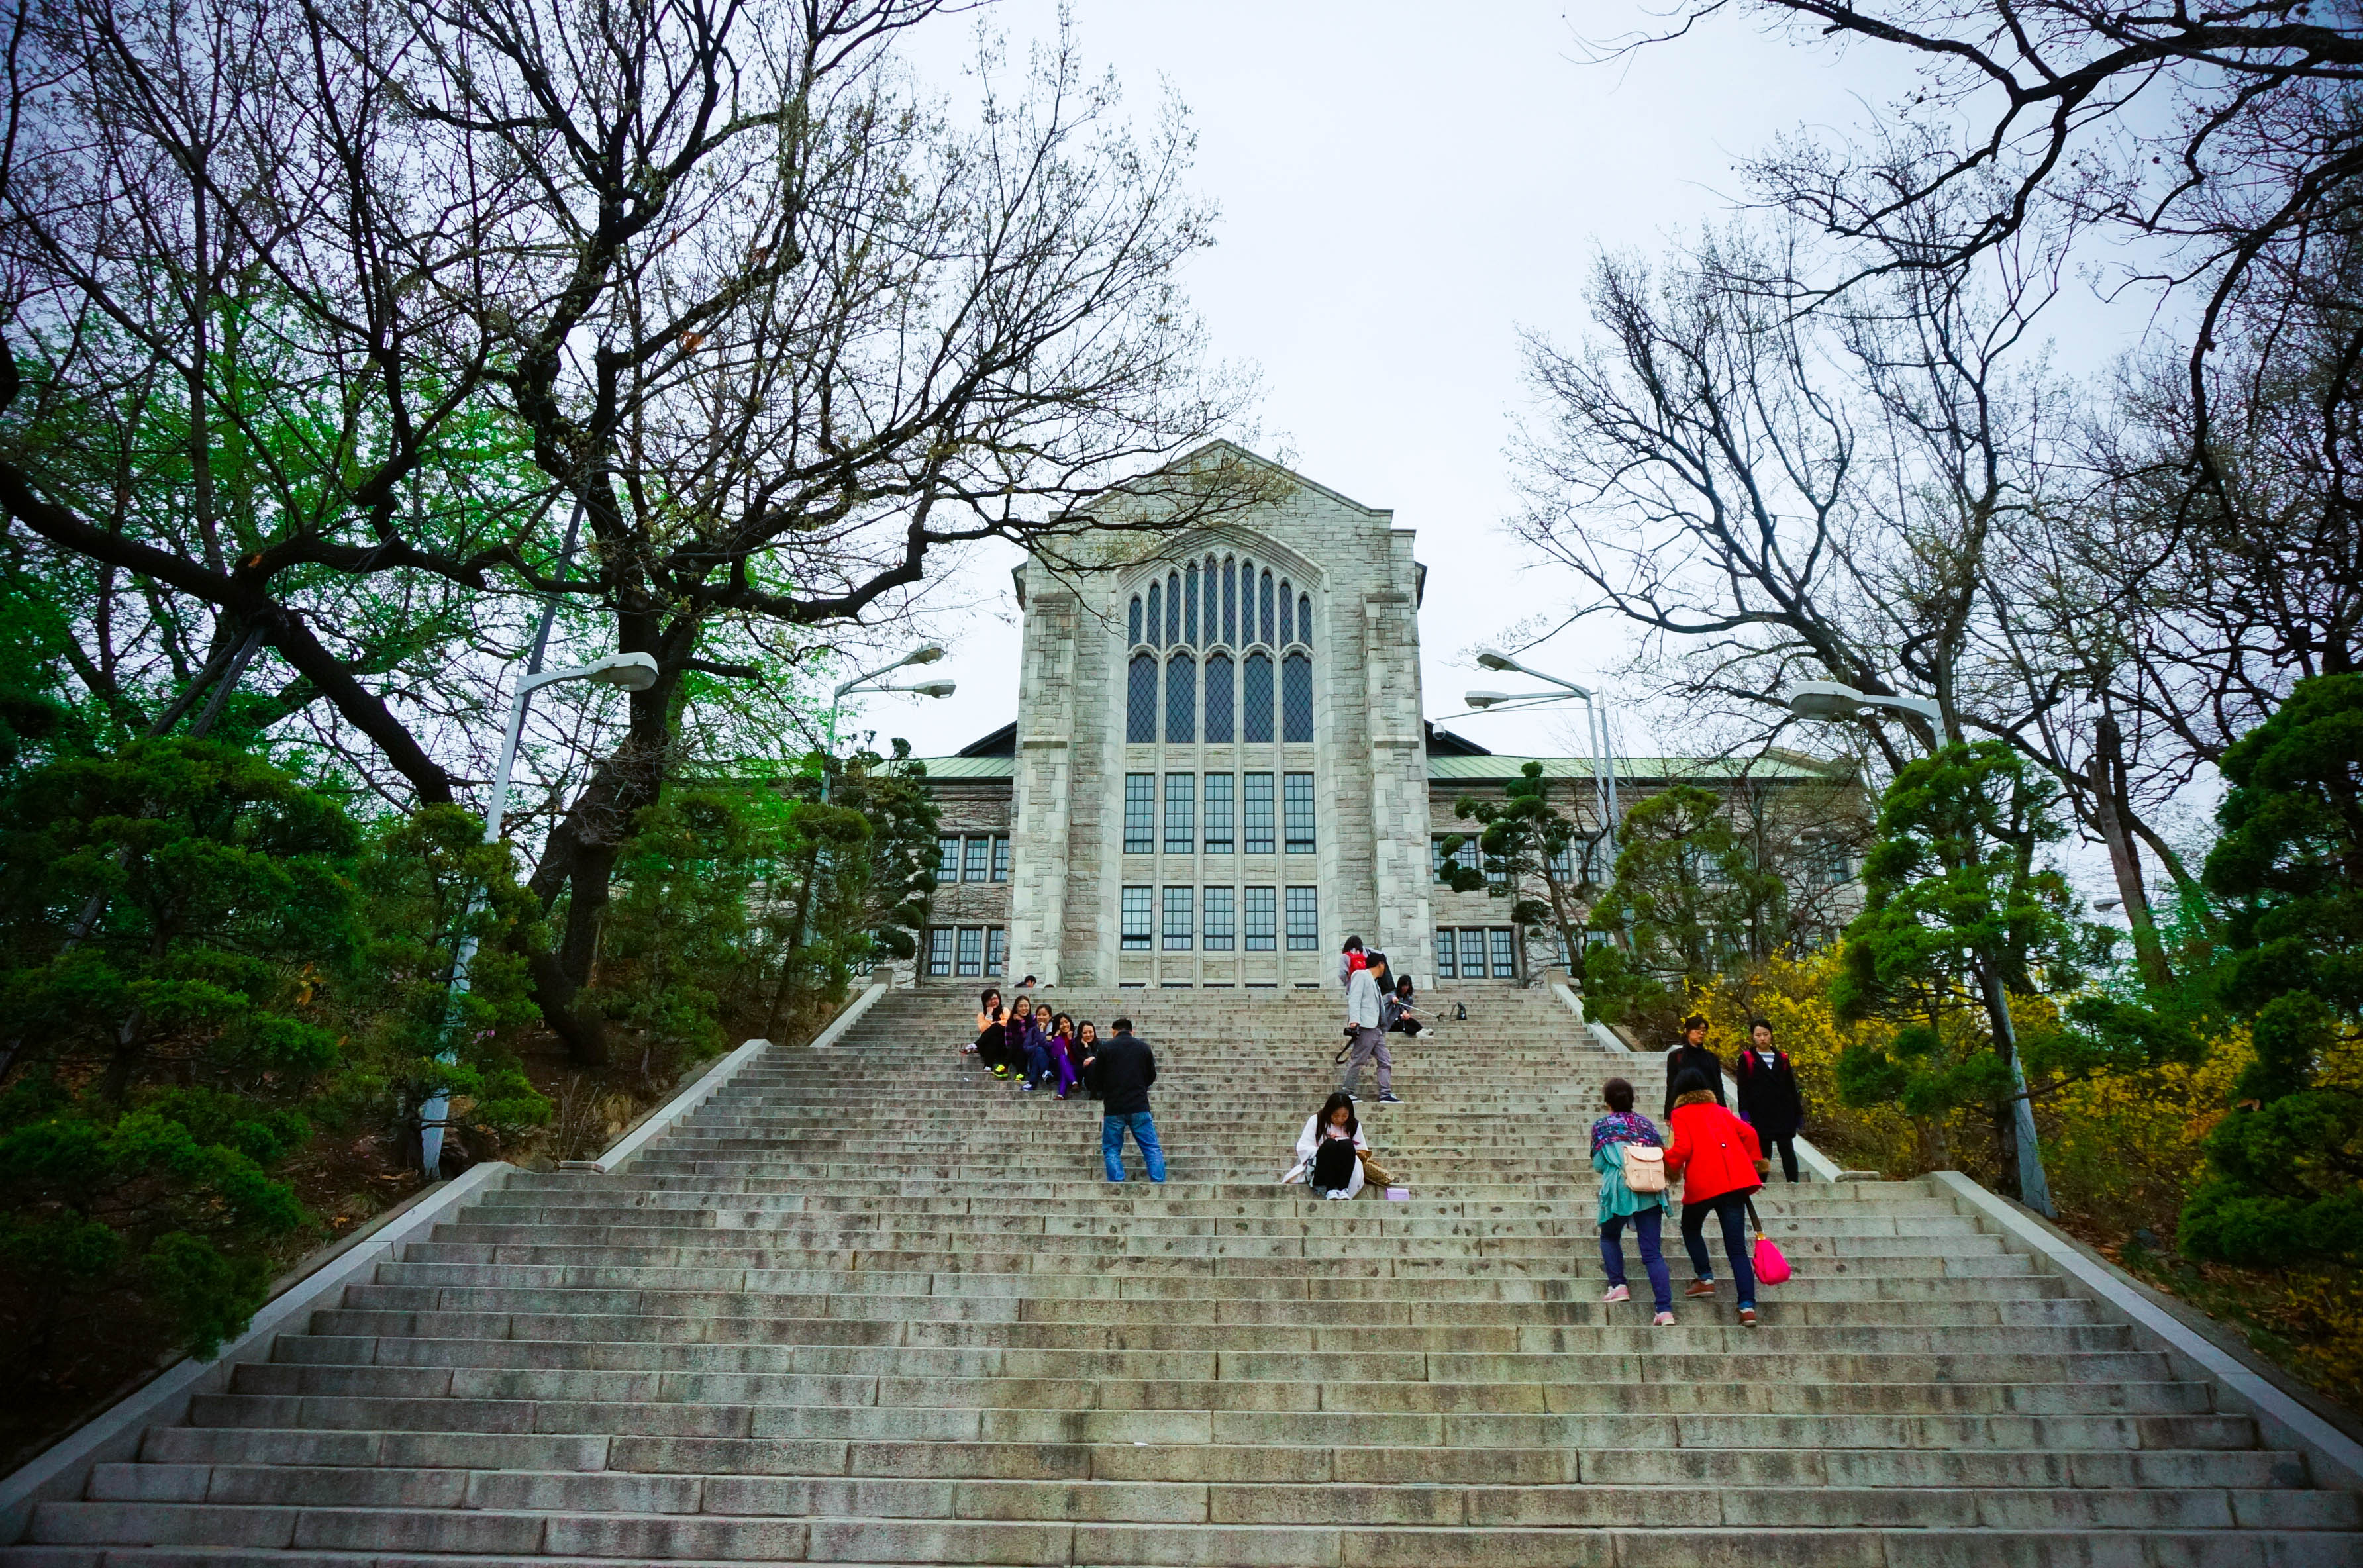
x=1692, y=1056
x=1119, y=1070
x=1769, y=1101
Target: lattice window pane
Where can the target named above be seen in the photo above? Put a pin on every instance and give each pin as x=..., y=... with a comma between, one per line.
x=1505, y=953
x=948, y=854
x=1132, y=621
x=1190, y=606
x=1220, y=696
x=1255, y=698
x=1255, y=796
x=1181, y=700
x=1296, y=698
x=971, y=950
x=1174, y=608
x=1473, y=952
x=1141, y=813
x=1304, y=617
x=1181, y=812
x=996, y=950
x=1141, y=699
x=978, y=865
x=1446, y=970
x=1230, y=602
x=1156, y=614
x=1221, y=933
x=1220, y=792
x=1262, y=920
x=1137, y=907
x=1001, y=859
x=1263, y=605
x=1304, y=919
x=1179, y=902
x=1287, y=612
x=1297, y=790
x=939, y=950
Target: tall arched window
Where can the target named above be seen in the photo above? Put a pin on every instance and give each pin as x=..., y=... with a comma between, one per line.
x=1231, y=601
x=1132, y=622
x=1172, y=609
x=1190, y=606
x=1255, y=698
x=1218, y=700
x=1140, y=700
x=1304, y=617
x=1263, y=604
x=1296, y=698
x=1155, y=614
x=1182, y=699
x=1287, y=612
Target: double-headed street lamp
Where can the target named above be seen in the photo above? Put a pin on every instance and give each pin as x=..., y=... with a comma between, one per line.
x=1829, y=701
x=1604, y=753
x=631, y=671
x=928, y=655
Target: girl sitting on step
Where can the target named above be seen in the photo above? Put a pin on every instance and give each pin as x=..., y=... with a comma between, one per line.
x=1331, y=1152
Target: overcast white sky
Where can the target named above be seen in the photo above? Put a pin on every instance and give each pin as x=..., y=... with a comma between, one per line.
x=1403, y=187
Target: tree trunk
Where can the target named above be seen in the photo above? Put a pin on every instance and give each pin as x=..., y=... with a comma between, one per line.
x=2109, y=810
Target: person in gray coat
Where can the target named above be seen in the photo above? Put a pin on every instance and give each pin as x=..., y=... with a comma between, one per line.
x=1364, y=994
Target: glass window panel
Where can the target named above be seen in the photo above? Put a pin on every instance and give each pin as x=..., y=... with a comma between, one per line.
x=1298, y=791
x=971, y=950
x=1255, y=796
x=1304, y=617
x=1219, y=695
x=1263, y=920
x=1001, y=859
x=1132, y=621
x=1446, y=970
x=1182, y=699
x=1190, y=606
x=1505, y=953
x=1179, y=902
x=1263, y=605
x=1221, y=933
x=1155, y=614
x=948, y=854
x=1473, y=952
x=1141, y=813
x=939, y=950
x=1173, y=607
x=1304, y=919
x=1255, y=698
x=1230, y=602
x=978, y=866
x=1562, y=864
x=1296, y=698
x=1137, y=908
x=1181, y=812
x=1141, y=699
x=996, y=950
x=1287, y=612
x=1219, y=795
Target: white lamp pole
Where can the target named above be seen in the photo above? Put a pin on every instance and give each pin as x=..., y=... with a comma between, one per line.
x=633, y=672
x=1603, y=751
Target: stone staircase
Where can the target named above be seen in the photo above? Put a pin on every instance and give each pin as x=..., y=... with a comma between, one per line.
x=869, y=1305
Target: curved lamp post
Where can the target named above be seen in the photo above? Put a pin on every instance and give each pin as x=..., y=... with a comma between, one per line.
x=1604, y=753
x=1829, y=701
x=633, y=672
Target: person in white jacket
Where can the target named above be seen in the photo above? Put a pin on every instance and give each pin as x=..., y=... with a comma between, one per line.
x=1363, y=995
x=1336, y=1116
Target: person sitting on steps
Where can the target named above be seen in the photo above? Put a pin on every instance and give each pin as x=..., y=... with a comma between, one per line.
x=1333, y=1158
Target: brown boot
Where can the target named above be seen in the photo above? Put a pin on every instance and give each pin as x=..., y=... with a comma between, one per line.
x=1700, y=1287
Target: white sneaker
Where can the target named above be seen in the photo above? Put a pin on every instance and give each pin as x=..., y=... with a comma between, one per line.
x=1619, y=1293
x=1336, y=1198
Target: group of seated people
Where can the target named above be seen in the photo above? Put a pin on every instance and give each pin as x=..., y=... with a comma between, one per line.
x=1039, y=1048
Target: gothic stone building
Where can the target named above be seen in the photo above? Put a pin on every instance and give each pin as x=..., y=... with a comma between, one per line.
x=1219, y=770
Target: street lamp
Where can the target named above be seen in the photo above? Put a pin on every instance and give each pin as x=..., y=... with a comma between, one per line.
x=631, y=671
x=1603, y=751
x=928, y=655
x=1829, y=701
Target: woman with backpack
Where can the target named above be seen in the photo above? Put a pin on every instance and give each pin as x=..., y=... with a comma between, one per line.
x=1769, y=1101
x=1330, y=1150
x=1627, y=1150
x=1721, y=1165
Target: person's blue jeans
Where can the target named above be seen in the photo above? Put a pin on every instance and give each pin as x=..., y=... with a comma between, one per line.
x=1649, y=1231
x=1144, y=1133
x=1732, y=1210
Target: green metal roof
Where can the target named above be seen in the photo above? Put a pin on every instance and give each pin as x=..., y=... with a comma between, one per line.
x=946, y=768
x=1483, y=769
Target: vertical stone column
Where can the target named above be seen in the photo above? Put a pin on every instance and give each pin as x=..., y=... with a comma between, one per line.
x=1399, y=821
x=1042, y=782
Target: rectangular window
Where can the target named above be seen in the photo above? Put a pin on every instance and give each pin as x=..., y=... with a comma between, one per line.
x=1497, y=871
x=1298, y=792
x=1219, y=789
x=1255, y=793
x=1179, y=902
x=1001, y=858
x=1446, y=970
x=1464, y=858
x=980, y=855
x=1562, y=864
x=1303, y=919
x=1221, y=934
x=1180, y=813
x=1141, y=813
x=996, y=950
x=971, y=950
x=948, y=854
x=1263, y=919
x=1473, y=952
x=1135, y=919
x=1505, y=953
x=939, y=950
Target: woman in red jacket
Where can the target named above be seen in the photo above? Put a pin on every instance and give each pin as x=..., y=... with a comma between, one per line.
x=1720, y=1162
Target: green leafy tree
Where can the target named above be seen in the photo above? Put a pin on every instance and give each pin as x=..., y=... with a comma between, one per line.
x=1688, y=891
x=159, y=1052
x=1529, y=845
x=2288, y=870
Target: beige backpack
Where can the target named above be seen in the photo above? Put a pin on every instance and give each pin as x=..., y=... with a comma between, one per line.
x=1645, y=1167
